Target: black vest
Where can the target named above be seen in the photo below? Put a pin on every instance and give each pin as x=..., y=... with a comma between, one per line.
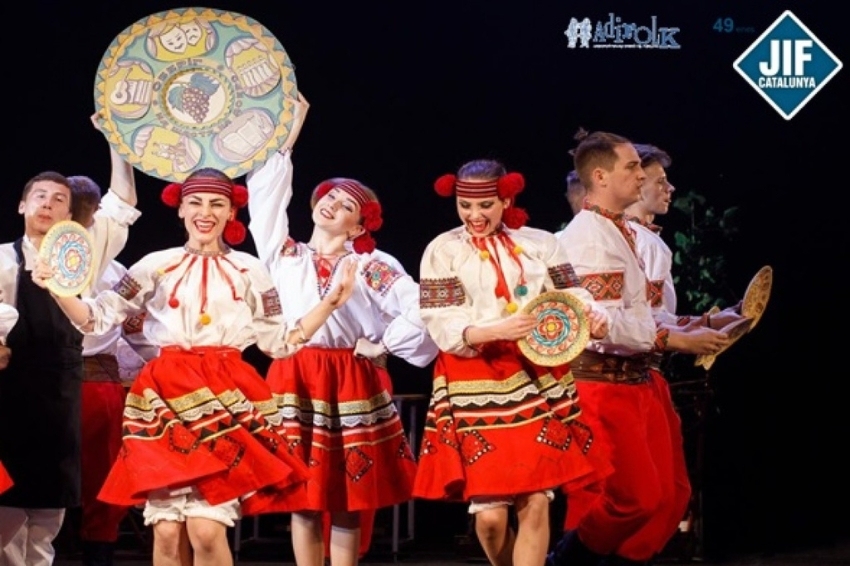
x=40, y=397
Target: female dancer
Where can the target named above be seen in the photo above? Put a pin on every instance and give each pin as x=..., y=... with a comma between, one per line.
x=203, y=440
x=500, y=430
x=333, y=399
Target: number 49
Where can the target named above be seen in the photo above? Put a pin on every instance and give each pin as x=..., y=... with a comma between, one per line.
x=724, y=25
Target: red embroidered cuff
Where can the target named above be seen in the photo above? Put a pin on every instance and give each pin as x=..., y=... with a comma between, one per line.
x=661, y=339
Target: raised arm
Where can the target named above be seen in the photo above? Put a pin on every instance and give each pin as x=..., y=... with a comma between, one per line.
x=270, y=191
x=122, y=181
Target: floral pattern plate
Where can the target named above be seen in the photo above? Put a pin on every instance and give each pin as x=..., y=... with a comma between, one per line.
x=562, y=329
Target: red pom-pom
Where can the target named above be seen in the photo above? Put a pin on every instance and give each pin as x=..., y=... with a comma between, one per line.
x=364, y=243
x=234, y=232
x=173, y=302
x=171, y=194
x=445, y=185
x=323, y=188
x=514, y=217
x=371, y=213
x=510, y=185
x=240, y=196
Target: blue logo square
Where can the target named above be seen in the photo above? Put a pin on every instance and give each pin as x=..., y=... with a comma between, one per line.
x=787, y=65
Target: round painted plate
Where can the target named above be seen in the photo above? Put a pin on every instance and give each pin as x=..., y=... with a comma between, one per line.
x=735, y=330
x=562, y=329
x=757, y=295
x=67, y=248
x=195, y=87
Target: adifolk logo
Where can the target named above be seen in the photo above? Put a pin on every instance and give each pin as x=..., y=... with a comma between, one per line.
x=787, y=65
x=617, y=34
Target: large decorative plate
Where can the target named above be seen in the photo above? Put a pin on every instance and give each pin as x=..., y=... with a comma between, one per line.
x=67, y=248
x=757, y=295
x=195, y=87
x=562, y=329
x=735, y=330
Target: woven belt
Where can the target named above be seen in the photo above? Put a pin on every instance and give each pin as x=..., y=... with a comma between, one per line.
x=101, y=367
x=629, y=370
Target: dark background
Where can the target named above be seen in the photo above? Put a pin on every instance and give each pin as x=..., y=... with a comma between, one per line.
x=402, y=92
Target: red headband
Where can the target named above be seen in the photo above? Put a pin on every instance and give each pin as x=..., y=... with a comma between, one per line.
x=234, y=230
x=505, y=187
x=370, y=210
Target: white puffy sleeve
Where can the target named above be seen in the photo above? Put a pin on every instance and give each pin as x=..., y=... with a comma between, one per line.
x=8, y=318
x=269, y=194
x=396, y=295
x=269, y=324
x=444, y=304
x=562, y=276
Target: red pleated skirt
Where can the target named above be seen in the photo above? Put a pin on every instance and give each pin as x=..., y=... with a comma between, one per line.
x=205, y=418
x=497, y=424
x=342, y=420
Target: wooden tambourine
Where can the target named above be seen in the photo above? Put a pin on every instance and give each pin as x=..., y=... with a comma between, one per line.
x=68, y=249
x=757, y=295
x=735, y=330
x=195, y=87
x=562, y=330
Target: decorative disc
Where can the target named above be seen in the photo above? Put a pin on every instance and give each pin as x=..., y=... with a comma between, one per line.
x=68, y=249
x=195, y=87
x=562, y=329
x=757, y=295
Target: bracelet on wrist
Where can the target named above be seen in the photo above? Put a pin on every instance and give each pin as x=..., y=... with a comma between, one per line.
x=465, y=338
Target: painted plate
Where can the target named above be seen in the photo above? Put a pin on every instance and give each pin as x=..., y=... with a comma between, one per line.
x=735, y=330
x=67, y=248
x=757, y=295
x=562, y=329
x=195, y=87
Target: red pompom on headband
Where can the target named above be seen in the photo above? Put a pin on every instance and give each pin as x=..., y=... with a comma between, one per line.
x=370, y=209
x=505, y=187
x=234, y=230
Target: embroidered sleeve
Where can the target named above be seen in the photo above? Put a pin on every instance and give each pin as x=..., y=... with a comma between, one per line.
x=655, y=292
x=607, y=286
x=271, y=303
x=127, y=287
x=435, y=293
x=380, y=276
x=661, y=339
x=564, y=276
x=133, y=324
x=290, y=248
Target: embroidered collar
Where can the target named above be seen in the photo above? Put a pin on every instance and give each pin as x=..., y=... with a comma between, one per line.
x=648, y=225
x=204, y=253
